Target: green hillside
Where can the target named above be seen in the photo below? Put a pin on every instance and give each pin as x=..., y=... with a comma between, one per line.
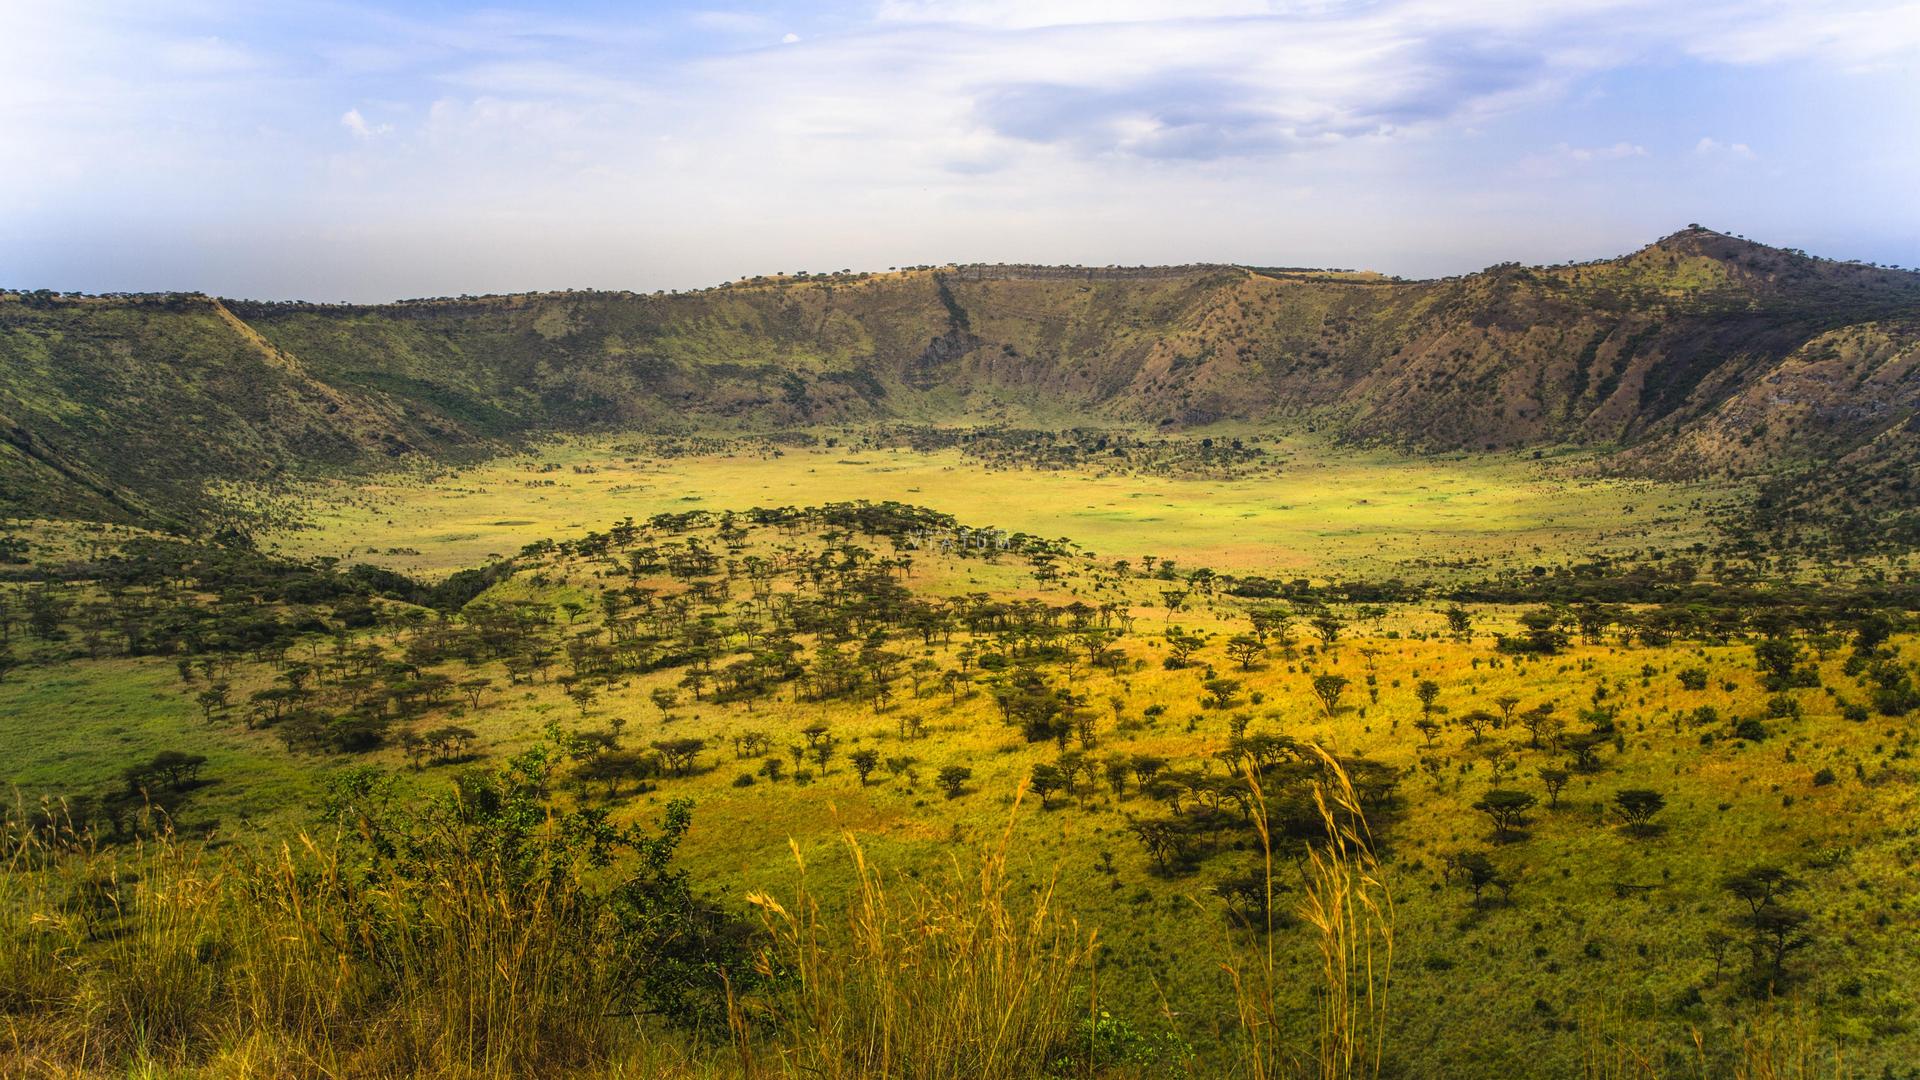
x=1705, y=354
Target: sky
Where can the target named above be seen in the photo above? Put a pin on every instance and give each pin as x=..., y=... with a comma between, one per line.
x=373, y=151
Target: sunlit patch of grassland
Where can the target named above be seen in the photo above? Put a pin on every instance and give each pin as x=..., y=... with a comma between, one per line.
x=1482, y=989
x=1323, y=510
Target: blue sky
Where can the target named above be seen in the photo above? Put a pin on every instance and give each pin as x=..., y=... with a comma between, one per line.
x=372, y=151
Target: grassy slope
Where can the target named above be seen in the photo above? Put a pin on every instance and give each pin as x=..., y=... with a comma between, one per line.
x=1468, y=984
x=1520, y=990
x=126, y=409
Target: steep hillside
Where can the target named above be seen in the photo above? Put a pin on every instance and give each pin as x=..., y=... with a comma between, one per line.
x=1701, y=353
x=124, y=408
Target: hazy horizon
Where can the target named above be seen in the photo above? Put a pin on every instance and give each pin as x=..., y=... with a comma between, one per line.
x=696, y=287
x=368, y=152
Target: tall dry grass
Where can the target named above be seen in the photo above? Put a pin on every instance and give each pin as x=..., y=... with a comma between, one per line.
x=1348, y=907
x=970, y=978
x=1771, y=1043
x=173, y=957
x=176, y=959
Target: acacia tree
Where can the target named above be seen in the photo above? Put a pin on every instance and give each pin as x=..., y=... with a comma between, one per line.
x=864, y=762
x=1428, y=692
x=1585, y=748
x=474, y=688
x=1046, y=780
x=1479, y=873
x=1637, y=806
x=1538, y=721
x=664, y=699
x=1173, y=600
x=612, y=767
x=213, y=700
x=1555, y=780
x=1506, y=703
x=583, y=696
x=1184, y=645
x=1220, y=692
x=680, y=754
x=1774, y=929
x=953, y=779
x=1163, y=840
x=1328, y=689
x=1245, y=648
x=1507, y=809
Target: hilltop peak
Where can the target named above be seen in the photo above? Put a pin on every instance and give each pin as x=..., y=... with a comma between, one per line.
x=1697, y=257
x=1698, y=240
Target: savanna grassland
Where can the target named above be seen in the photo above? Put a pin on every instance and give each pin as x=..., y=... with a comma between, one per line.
x=1273, y=504
x=970, y=671
x=1219, y=753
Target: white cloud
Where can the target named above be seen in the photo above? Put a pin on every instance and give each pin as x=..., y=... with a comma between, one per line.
x=1852, y=33
x=354, y=122
x=1709, y=146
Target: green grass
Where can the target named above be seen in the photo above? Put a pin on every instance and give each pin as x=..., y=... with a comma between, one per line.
x=74, y=729
x=1323, y=510
x=1525, y=989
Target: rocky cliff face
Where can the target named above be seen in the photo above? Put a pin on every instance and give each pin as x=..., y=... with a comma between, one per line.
x=1698, y=353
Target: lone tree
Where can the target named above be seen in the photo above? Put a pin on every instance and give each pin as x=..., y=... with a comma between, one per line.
x=864, y=762
x=1637, y=806
x=1539, y=722
x=175, y=768
x=449, y=741
x=1507, y=809
x=212, y=700
x=1183, y=645
x=1585, y=748
x=474, y=688
x=612, y=767
x=680, y=754
x=1163, y=840
x=1328, y=689
x=953, y=779
x=1479, y=873
x=1245, y=648
x=1478, y=721
x=1428, y=728
x=1506, y=703
x=1220, y=692
x=1458, y=620
x=664, y=699
x=1173, y=600
x=1046, y=780
x=1428, y=692
x=1555, y=779
x=1773, y=929
x=583, y=696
